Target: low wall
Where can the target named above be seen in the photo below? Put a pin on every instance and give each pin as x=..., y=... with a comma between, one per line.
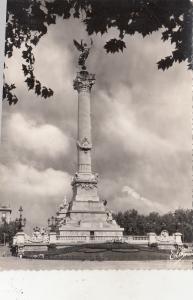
x=136, y=240
x=84, y=239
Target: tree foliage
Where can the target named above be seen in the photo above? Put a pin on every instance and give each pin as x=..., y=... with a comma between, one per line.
x=137, y=224
x=7, y=232
x=28, y=21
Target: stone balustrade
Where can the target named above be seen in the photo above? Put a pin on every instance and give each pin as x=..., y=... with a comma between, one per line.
x=164, y=240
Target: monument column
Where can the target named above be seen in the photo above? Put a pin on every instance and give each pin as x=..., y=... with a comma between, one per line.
x=86, y=217
x=83, y=84
x=84, y=182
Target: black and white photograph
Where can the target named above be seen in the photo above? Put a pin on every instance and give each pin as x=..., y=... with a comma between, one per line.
x=96, y=135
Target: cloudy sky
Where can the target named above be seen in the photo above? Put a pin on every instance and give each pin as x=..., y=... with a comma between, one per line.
x=141, y=126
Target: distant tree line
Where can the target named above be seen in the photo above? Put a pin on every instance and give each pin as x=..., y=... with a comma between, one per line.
x=180, y=220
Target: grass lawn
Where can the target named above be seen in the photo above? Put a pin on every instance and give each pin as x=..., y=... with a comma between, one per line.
x=103, y=251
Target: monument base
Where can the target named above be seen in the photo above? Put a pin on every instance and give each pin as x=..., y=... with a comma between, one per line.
x=88, y=235
x=86, y=221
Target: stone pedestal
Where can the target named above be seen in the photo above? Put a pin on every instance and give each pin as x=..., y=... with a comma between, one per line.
x=20, y=238
x=52, y=237
x=178, y=238
x=19, y=242
x=152, y=238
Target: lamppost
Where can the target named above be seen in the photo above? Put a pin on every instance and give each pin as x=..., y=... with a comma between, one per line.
x=52, y=222
x=21, y=222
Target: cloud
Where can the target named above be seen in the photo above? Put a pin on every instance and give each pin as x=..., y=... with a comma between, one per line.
x=135, y=200
x=41, y=139
x=19, y=180
x=38, y=191
x=122, y=123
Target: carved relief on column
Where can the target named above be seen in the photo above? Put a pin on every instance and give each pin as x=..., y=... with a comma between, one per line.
x=86, y=185
x=84, y=144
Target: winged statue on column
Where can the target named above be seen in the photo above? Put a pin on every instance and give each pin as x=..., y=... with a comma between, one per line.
x=85, y=50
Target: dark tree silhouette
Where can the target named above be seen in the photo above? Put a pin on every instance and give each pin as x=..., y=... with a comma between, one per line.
x=28, y=21
x=7, y=232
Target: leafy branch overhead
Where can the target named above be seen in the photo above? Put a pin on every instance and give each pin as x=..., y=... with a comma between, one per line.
x=28, y=21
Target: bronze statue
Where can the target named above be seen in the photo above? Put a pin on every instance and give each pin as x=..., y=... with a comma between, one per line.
x=84, y=49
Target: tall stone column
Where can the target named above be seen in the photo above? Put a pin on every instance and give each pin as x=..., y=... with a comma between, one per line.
x=84, y=182
x=83, y=84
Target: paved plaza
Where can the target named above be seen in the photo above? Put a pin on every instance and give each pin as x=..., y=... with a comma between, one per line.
x=13, y=263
